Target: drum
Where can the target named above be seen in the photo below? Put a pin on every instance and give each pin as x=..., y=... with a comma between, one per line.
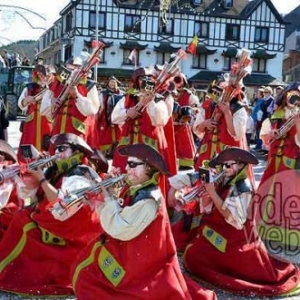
x=185, y=114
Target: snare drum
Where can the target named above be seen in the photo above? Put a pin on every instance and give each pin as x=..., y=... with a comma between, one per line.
x=185, y=114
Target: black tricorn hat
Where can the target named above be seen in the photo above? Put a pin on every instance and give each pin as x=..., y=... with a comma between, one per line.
x=293, y=86
x=147, y=154
x=7, y=151
x=99, y=160
x=233, y=153
x=72, y=139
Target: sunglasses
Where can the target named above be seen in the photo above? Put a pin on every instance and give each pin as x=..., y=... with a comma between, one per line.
x=227, y=165
x=134, y=164
x=62, y=148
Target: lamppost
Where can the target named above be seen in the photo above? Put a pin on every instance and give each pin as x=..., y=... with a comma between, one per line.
x=96, y=37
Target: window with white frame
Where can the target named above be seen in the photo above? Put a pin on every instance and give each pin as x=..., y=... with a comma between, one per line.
x=259, y=65
x=132, y=23
x=199, y=61
x=101, y=20
x=202, y=29
x=232, y=32
x=261, y=34
x=162, y=57
x=166, y=28
x=126, y=60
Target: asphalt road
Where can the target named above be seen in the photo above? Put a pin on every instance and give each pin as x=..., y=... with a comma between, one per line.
x=14, y=138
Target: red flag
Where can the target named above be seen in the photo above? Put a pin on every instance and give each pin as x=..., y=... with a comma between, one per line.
x=192, y=47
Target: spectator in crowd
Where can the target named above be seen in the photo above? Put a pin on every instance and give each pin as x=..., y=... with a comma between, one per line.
x=250, y=129
x=4, y=123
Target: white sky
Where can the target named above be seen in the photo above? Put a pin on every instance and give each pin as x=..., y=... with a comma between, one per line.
x=14, y=28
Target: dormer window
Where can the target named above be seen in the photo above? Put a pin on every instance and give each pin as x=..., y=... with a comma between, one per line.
x=228, y=3
x=197, y=2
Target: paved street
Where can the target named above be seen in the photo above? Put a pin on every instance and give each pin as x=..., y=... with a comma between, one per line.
x=14, y=137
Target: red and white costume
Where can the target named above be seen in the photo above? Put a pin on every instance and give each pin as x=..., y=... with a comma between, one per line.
x=147, y=129
x=37, y=249
x=213, y=142
x=36, y=127
x=72, y=116
x=136, y=257
x=184, y=140
x=109, y=134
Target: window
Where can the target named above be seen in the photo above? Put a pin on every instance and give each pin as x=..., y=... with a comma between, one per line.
x=132, y=23
x=232, y=32
x=228, y=3
x=68, y=52
x=166, y=28
x=126, y=60
x=199, y=61
x=261, y=34
x=197, y=2
x=202, y=29
x=69, y=18
x=162, y=57
x=228, y=61
x=259, y=65
x=101, y=20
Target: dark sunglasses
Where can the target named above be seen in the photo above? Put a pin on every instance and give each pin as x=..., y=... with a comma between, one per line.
x=62, y=148
x=134, y=164
x=229, y=165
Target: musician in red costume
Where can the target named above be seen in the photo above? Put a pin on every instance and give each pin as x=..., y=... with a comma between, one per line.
x=135, y=257
x=71, y=114
x=109, y=133
x=37, y=128
x=184, y=140
x=42, y=241
x=146, y=126
x=229, y=130
x=279, y=186
x=12, y=188
x=227, y=252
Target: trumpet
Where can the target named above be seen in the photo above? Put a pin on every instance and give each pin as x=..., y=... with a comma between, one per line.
x=170, y=70
x=283, y=130
x=199, y=190
x=69, y=205
x=238, y=71
x=15, y=169
x=78, y=74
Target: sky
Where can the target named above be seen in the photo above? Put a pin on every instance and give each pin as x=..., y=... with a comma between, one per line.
x=43, y=13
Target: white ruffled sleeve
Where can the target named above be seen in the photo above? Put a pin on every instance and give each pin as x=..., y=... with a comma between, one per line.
x=129, y=222
x=118, y=115
x=240, y=124
x=158, y=112
x=23, y=95
x=88, y=105
x=238, y=207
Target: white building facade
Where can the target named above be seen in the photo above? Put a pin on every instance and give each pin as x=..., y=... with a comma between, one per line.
x=222, y=26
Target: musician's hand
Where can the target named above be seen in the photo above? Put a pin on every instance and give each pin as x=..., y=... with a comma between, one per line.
x=224, y=107
x=210, y=124
x=55, y=102
x=74, y=91
x=95, y=199
x=132, y=113
x=274, y=133
x=37, y=174
x=29, y=100
x=210, y=188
